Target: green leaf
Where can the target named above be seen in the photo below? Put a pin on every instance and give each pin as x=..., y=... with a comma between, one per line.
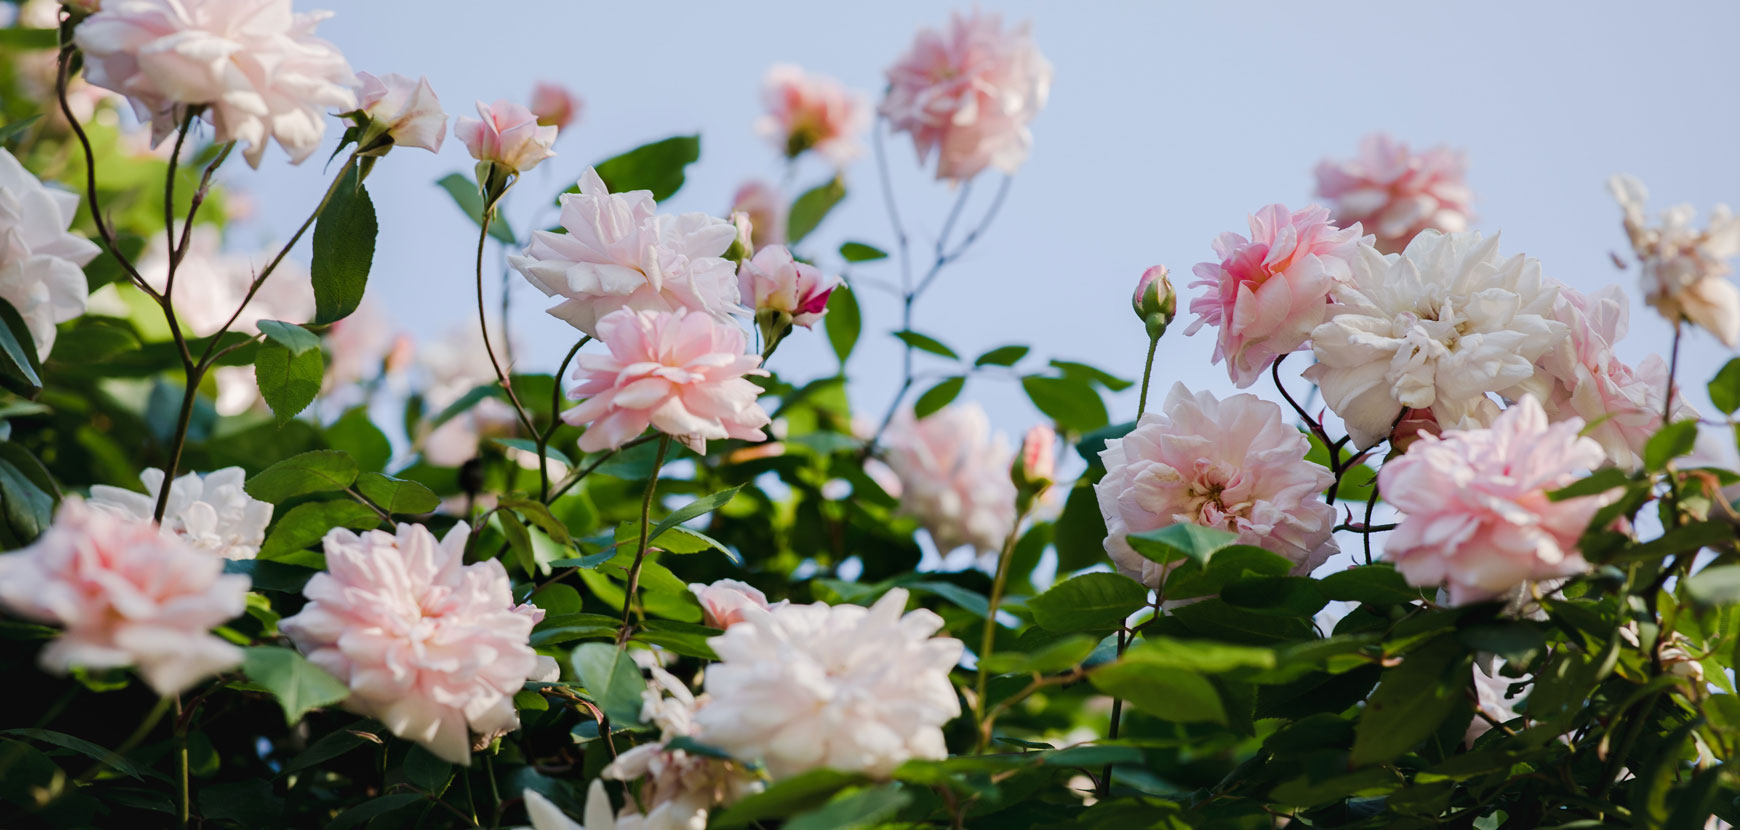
x=519, y=541
x=308, y=523
x=969, y=600
x=1003, y=356
x=1165, y=692
x=332, y=745
x=19, y=369
x=1595, y=483
x=297, y=684
x=1080, y=534
x=79, y=745
x=397, y=495
x=289, y=335
x=354, y=434
x=28, y=508
x=612, y=679
x=289, y=382
x=926, y=343
x=16, y=128
x=687, y=639
x=701, y=506
x=539, y=514
x=1293, y=596
x=858, y=810
x=785, y=797
x=657, y=167
x=570, y=627
x=938, y=396
x=463, y=189
x=425, y=771
x=810, y=208
x=1412, y=700
x=344, y=249
x=531, y=447
x=1377, y=584
x=1673, y=441
x=1084, y=372
x=1519, y=642
x=1725, y=387
x=1202, y=656
x=318, y=471
x=1715, y=586
x=1090, y=602
x=1229, y=566
x=1071, y=402
x=844, y=321
x=367, y=811
x=860, y=252
x=1178, y=542
x=1054, y=656
x=271, y=576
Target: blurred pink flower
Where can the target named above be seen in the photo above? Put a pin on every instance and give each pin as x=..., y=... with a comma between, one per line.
x=1233, y=465
x=405, y=109
x=126, y=595
x=359, y=346
x=430, y=646
x=618, y=252
x=1268, y=292
x=968, y=94
x=1475, y=512
x=773, y=280
x=724, y=601
x=210, y=284
x=683, y=373
x=1395, y=193
x=766, y=209
x=255, y=64
x=807, y=111
x=508, y=135
x=954, y=476
x=1685, y=270
x=41, y=260
x=555, y=105
x=1037, y=464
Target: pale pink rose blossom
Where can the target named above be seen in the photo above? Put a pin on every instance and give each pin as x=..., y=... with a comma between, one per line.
x=683, y=373
x=507, y=134
x=1622, y=403
x=405, y=109
x=555, y=105
x=619, y=252
x=1233, y=465
x=678, y=788
x=766, y=209
x=723, y=602
x=545, y=815
x=1267, y=293
x=41, y=260
x=1395, y=193
x=968, y=94
x=1475, y=512
x=430, y=646
x=808, y=111
x=845, y=687
x=209, y=511
x=254, y=64
x=358, y=346
x=773, y=281
x=953, y=476
x=126, y=595
x=452, y=366
x=1685, y=270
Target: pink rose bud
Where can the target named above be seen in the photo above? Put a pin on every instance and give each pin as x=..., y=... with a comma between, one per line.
x=744, y=245
x=1036, y=467
x=726, y=602
x=508, y=135
x=783, y=291
x=555, y=105
x=396, y=110
x=1155, y=301
x=1414, y=423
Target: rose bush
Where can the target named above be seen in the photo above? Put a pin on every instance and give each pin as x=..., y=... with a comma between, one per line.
x=267, y=563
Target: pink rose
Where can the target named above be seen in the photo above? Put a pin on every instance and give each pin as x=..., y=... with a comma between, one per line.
x=968, y=94
x=555, y=105
x=1036, y=466
x=126, y=595
x=679, y=372
x=1268, y=292
x=725, y=601
x=1475, y=512
x=1232, y=464
x=953, y=476
x=773, y=281
x=765, y=208
x=806, y=112
x=1155, y=302
x=508, y=135
x=1395, y=193
x=404, y=109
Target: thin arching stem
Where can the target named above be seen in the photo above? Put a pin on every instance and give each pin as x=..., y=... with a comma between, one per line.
x=555, y=419
x=644, y=543
x=483, y=328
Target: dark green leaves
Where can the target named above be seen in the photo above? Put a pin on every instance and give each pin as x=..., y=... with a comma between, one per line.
x=396, y=495
x=1412, y=700
x=1181, y=541
x=811, y=207
x=19, y=369
x=1002, y=356
x=938, y=396
x=16, y=128
x=1166, y=693
x=311, y=472
x=1715, y=586
x=1725, y=387
x=926, y=343
x=1090, y=602
x=464, y=192
x=657, y=167
x=297, y=684
x=844, y=321
x=1673, y=441
x=1071, y=402
x=307, y=523
x=288, y=381
x=344, y=248
x=1378, y=584
x=612, y=679
x=289, y=335
x=860, y=252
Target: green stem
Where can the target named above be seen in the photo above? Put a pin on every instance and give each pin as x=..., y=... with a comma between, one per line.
x=555, y=419
x=646, y=501
x=1147, y=372
x=178, y=441
x=184, y=802
x=989, y=640
x=483, y=327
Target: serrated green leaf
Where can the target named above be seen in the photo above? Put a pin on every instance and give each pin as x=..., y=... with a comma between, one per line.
x=844, y=321
x=297, y=684
x=1673, y=441
x=288, y=382
x=397, y=495
x=308, y=523
x=318, y=471
x=289, y=335
x=658, y=167
x=612, y=679
x=1072, y=403
x=1090, y=602
x=344, y=250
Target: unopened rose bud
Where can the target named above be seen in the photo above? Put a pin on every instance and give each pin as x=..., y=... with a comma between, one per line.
x=743, y=247
x=1036, y=467
x=783, y=291
x=554, y=105
x=1154, y=302
x=393, y=110
x=1414, y=423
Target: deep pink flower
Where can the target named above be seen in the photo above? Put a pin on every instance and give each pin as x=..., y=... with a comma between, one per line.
x=508, y=135
x=430, y=646
x=1475, y=512
x=968, y=94
x=1233, y=464
x=724, y=602
x=1395, y=193
x=773, y=281
x=681, y=372
x=126, y=595
x=806, y=111
x=555, y=105
x=1268, y=292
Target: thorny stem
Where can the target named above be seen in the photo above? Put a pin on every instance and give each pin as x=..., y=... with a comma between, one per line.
x=104, y=233
x=641, y=546
x=1370, y=505
x=483, y=327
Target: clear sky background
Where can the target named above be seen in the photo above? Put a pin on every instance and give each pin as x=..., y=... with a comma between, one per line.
x=1167, y=124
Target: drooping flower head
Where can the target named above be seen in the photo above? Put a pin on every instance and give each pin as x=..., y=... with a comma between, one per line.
x=766, y=210
x=619, y=252
x=211, y=512
x=968, y=94
x=40, y=261
x=773, y=281
x=954, y=476
x=1232, y=465
x=507, y=135
x=680, y=372
x=555, y=105
x=430, y=646
x=1267, y=293
x=254, y=64
x=1441, y=326
x=126, y=595
x=1685, y=270
x=842, y=686
x=401, y=108
x=1394, y=192
x=807, y=111
x=1475, y=513
x=723, y=602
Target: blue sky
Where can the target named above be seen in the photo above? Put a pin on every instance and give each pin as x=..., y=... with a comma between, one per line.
x=1168, y=123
